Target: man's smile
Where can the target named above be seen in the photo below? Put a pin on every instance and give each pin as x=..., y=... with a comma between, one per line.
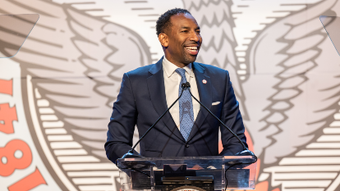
x=192, y=50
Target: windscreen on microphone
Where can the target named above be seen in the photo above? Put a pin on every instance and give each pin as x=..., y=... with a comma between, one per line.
x=186, y=85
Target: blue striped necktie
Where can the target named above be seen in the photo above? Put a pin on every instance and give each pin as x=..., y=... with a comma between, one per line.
x=186, y=113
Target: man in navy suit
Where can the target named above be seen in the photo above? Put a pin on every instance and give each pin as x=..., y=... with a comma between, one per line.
x=148, y=91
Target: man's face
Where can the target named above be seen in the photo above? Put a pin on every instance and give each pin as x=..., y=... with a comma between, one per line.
x=182, y=40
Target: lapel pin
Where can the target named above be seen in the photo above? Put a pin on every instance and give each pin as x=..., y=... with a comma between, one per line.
x=204, y=81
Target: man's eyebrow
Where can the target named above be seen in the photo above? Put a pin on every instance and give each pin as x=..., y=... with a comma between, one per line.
x=199, y=28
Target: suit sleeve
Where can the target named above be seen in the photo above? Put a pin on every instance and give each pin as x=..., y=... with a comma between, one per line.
x=231, y=116
x=122, y=122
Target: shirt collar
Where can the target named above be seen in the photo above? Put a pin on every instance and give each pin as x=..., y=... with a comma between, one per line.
x=169, y=68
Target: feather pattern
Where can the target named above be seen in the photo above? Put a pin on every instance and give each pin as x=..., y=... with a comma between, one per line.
x=74, y=59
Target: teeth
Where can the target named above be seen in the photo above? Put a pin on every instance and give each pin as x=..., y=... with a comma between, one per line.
x=192, y=48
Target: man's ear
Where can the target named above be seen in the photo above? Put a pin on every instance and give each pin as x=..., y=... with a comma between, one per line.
x=163, y=39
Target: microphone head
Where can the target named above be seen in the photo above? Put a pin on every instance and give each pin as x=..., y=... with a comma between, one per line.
x=186, y=85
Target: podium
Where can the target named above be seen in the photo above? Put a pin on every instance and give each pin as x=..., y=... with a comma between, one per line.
x=187, y=173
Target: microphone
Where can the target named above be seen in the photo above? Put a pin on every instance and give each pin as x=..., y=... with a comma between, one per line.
x=245, y=151
x=186, y=85
x=130, y=153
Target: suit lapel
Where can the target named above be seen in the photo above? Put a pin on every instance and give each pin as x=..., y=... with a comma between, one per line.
x=157, y=94
x=204, y=90
x=156, y=87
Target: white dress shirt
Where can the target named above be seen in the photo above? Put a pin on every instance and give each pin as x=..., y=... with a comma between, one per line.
x=171, y=84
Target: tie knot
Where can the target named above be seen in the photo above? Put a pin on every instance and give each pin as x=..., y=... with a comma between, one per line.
x=181, y=72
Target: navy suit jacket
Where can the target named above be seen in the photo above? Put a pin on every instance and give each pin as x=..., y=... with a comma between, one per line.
x=141, y=101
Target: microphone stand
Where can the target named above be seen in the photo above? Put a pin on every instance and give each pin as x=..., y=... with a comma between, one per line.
x=246, y=151
x=130, y=153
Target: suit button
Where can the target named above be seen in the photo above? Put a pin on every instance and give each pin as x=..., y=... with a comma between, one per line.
x=187, y=145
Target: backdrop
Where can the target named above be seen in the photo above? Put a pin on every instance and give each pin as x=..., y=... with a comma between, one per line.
x=56, y=93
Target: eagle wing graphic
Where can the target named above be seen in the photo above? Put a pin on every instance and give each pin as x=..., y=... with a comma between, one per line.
x=293, y=83
x=74, y=59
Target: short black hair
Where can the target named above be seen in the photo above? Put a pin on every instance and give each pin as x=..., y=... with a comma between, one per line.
x=163, y=21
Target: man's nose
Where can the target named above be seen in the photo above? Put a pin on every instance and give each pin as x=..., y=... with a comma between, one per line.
x=194, y=36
